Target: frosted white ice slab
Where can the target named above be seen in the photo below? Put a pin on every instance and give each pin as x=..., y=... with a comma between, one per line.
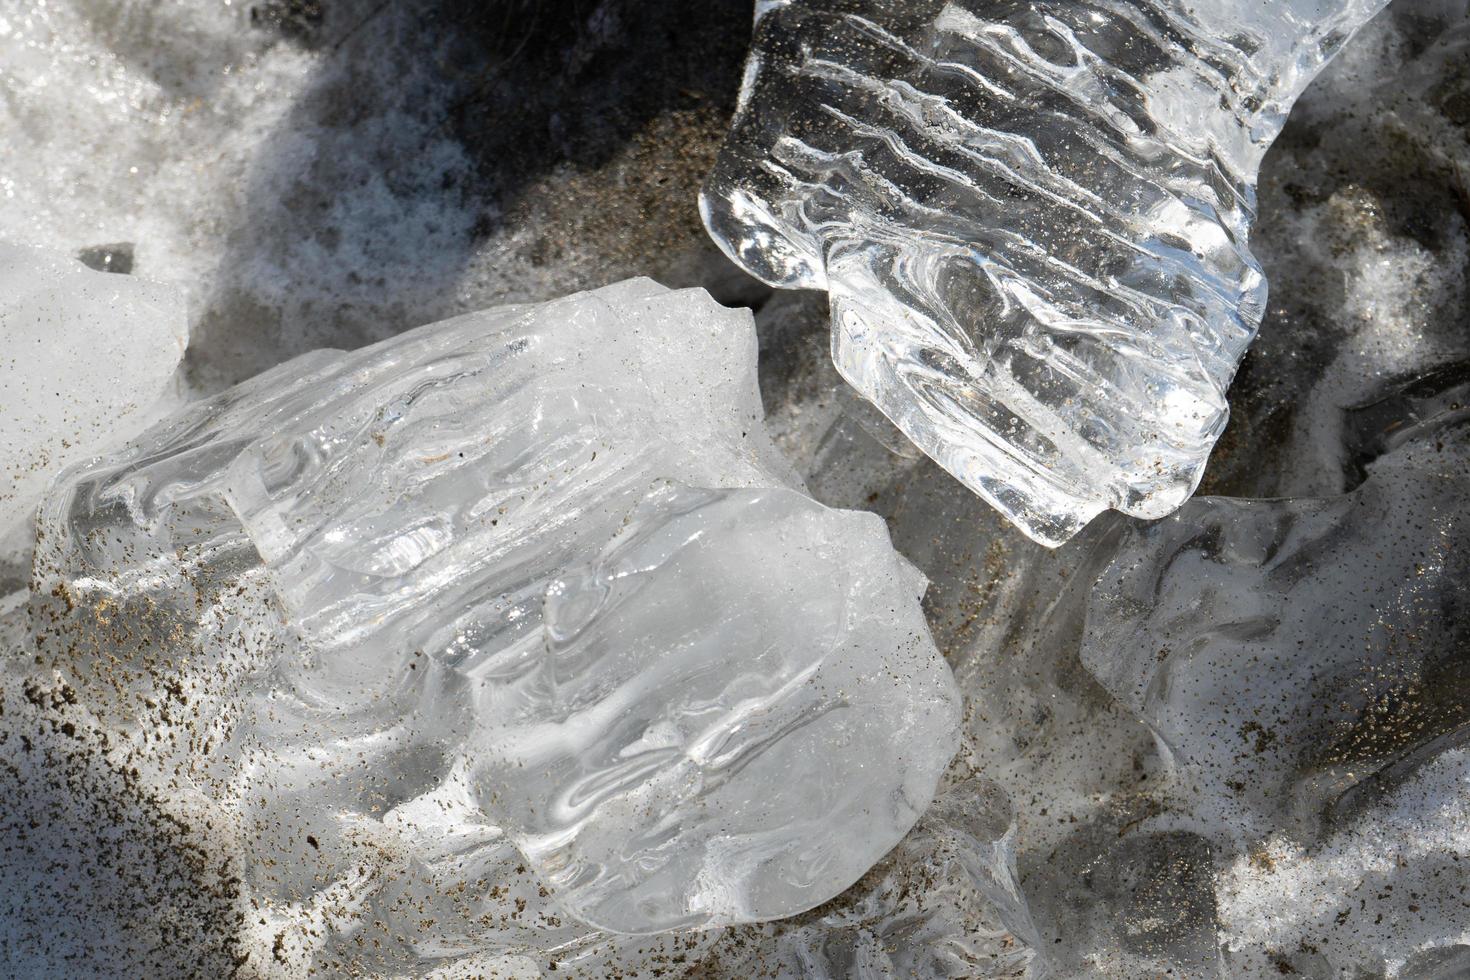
x=83, y=356
x=552, y=582
x=1031, y=219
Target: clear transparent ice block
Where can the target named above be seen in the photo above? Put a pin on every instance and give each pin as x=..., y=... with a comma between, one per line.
x=1032, y=221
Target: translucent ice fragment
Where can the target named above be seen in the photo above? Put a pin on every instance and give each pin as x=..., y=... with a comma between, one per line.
x=1297, y=659
x=705, y=716
x=1031, y=218
x=85, y=355
x=553, y=586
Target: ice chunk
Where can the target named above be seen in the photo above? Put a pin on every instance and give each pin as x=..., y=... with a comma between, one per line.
x=1298, y=658
x=542, y=579
x=86, y=356
x=1031, y=220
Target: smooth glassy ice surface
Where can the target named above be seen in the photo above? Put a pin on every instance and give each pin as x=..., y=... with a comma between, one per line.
x=710, y=725
x=1032, y=221
x=86, y=355
x=534, y=576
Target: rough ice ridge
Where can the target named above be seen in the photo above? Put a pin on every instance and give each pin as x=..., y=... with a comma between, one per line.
x=532, y=575
x=1032, y=221
x=86, y=356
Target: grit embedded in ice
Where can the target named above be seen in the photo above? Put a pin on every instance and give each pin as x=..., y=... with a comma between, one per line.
x=536, y=576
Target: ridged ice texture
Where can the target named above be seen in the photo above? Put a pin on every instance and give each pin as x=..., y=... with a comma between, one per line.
x=86, y=355
x=1032, y=221
x=551, y=584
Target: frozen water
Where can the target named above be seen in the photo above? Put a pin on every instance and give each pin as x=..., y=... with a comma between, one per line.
x=534, y=576
x=688, y=792
x=1347, y=404
x=1277, y=666
x=326, y=174
x=1301, y=665
x=944, y=903
x=1368, y=250
x=326, y=183
x=1365, y=237
x=1032, y=222
x=86, y=357
x=1383, y=896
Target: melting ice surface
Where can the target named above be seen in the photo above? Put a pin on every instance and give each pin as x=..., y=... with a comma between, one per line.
x=1031, y=219
x=541, y=577
x=1302, y=665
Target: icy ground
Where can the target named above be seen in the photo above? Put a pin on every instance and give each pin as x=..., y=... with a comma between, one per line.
x=329, y=174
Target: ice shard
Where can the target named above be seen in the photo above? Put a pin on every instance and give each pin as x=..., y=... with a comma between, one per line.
x=86, y=356
x=533, y=576
x=1032, y=220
